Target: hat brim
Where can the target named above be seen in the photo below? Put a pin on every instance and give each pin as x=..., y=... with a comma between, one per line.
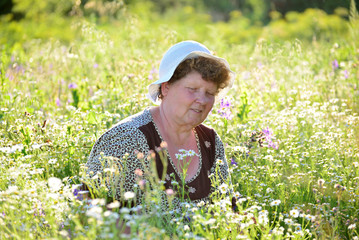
x=153, y=88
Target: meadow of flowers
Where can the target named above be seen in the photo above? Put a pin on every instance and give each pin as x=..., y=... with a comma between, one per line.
x=290, y=126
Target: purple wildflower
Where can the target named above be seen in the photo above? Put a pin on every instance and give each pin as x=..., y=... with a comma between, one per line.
x=259, y=65
x=62, y=225
x=58, y=103
x=335, y=64
x=268, y=137
x=95, y=65
x=272, y=145
x=233, y=162
x=76, y=192
x=9, y=76
x=267, y=132
x=226, y=113
x=225, y=109
x=153, y=71
x=72, y=85
x=346, y=74
x=39, y=212
x=225, y=103
x=19, y=69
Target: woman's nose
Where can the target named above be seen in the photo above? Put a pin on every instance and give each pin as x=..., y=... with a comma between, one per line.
x=202, y=98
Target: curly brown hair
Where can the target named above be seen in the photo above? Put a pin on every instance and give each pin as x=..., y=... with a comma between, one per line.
x=210, y=69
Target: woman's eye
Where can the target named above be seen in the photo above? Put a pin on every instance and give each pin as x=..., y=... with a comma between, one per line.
x=211, y=94
x=192, y=89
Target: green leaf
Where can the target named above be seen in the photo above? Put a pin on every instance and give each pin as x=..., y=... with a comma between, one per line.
x=91, y=118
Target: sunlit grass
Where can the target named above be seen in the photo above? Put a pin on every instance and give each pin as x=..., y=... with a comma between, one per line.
x=291, y=129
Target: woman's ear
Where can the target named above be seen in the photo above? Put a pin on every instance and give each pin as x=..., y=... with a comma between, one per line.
x=164, y=88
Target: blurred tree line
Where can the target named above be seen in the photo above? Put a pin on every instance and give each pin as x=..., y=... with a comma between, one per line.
x=236, y=20
x=255, y=10
x=259, y=10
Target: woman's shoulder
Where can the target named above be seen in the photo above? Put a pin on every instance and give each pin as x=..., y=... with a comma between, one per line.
x=207, y=130
x=209, y=134
x=128, y=127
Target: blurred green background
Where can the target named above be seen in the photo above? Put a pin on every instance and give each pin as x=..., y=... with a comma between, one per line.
x=236, y=20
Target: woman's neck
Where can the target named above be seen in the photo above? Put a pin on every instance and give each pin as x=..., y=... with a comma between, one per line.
x=169, y=129
x=177, y=138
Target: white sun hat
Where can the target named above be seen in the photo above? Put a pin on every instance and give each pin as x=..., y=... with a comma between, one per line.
x=174, y=56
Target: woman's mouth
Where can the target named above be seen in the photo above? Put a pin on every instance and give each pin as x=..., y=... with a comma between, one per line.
x=196, y=110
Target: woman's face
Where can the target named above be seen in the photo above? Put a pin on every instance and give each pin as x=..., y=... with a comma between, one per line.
x=189, y=99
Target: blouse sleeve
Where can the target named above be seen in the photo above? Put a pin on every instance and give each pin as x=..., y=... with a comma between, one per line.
x=224, y=174
x=220, y=161
x=121, y=146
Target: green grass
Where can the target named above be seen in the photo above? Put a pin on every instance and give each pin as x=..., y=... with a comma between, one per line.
x=58, y=96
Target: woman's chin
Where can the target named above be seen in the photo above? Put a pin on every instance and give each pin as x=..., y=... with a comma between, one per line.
x=195, y=121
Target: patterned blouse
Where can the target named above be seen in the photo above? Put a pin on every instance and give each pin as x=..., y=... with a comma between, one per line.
x=139, y=134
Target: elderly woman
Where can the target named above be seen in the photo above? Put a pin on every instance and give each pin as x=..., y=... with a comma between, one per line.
x=190, y=79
